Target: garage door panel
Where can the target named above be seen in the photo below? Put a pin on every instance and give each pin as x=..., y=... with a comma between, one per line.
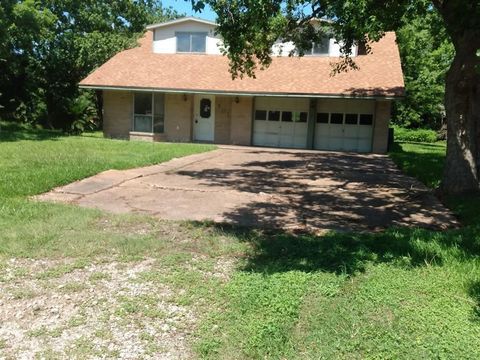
x=287, y=129
x=261, y=126
x=273, y=127
x=350, y=144
x=335, y=143
x=350, y=131
x=343, y=137
x=365, y=131
x=322, y=134
x=285, y=125
x=286, y=141
x=364, y=145
x=336, y=131
x=301, y=129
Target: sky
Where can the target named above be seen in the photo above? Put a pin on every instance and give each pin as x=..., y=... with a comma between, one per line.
x=185, y=7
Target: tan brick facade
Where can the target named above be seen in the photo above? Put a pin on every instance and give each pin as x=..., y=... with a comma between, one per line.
x=241, y=121
x=233, y=119
x=380, y=131
x=147, y=137
x=117, y=115
x=178, y=117
x=223, y=111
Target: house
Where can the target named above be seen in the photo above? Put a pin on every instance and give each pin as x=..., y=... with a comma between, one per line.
x=176, y=87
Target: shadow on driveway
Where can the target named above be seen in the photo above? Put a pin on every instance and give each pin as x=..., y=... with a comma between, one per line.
x=270, y=188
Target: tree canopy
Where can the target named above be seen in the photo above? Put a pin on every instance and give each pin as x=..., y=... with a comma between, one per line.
x=48, y=46
x=426, y=53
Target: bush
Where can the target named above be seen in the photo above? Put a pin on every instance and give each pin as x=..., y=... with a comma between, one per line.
x=415, y=135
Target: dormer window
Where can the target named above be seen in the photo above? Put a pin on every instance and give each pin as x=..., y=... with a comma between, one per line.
x=321, y=48
x=191, y=42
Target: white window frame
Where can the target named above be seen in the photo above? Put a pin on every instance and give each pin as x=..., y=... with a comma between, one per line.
x=190, y=33
x=312, y=49
x=152, y=116
x=295, y=114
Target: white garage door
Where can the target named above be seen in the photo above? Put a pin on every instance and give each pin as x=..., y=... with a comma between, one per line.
x=344, y=132
x=280, y=123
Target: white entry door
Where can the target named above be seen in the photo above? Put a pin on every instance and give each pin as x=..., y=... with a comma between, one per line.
x=204, y=118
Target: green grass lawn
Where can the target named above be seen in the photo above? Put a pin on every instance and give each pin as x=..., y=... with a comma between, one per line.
x=422, y=160
x=403, y=293
x=33, y=162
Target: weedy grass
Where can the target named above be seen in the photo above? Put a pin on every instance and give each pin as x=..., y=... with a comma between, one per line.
x=401, y=293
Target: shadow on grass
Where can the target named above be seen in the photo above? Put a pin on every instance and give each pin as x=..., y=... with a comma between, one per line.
x=347, y=253
x=474, y=292
x=10, y=131
x=466, y=207
x=351, y=253
x=427, y=167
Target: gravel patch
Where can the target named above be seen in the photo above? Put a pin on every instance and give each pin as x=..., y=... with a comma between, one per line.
x=64, y=309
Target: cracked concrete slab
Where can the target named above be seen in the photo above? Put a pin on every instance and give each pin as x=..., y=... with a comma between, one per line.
x=268, y=188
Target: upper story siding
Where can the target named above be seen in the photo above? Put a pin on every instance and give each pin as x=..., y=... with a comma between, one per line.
x=165, y=39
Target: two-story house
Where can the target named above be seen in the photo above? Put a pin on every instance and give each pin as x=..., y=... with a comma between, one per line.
x=176, y=86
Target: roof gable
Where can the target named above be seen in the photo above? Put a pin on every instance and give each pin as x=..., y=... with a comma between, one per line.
x=180, y=21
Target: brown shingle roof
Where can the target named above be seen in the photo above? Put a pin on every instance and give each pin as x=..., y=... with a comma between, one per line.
x=380, y=73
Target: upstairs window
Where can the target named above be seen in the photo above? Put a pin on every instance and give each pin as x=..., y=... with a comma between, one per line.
x=191, y=42
x=322, y=47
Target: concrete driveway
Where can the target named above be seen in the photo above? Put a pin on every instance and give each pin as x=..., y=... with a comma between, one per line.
x=268, y=188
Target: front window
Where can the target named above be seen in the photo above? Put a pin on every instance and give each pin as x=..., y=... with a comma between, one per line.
x=191, y=42
x=322, y=47
x=148, y=116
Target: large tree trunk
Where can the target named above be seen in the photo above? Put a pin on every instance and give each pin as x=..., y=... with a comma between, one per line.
x=462, y=104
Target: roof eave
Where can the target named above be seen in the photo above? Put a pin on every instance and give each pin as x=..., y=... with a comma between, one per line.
x=243, y=93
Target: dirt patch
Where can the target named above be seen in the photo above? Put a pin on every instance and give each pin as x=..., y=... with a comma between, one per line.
x=96, y=310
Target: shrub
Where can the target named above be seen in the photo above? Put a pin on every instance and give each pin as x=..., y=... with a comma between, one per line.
x=415, y=135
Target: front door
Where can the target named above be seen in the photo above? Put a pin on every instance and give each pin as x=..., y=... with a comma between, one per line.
x=204, y=118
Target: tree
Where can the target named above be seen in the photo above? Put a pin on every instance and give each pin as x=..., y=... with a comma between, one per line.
x=87, y=33
x=50, y=45
x=426, y=53
x=250, y=28
x=21, y=26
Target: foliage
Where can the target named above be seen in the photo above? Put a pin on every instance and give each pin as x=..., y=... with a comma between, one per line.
x=83, y=113
x=250, y=29
x=415, y=135
x=50, y=45
x=426, y=53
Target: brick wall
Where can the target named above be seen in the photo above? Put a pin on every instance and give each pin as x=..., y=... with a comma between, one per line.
x=241, y=121
x=223, y=109
x=117, y=115
x=178, y=117
x=380, y=130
